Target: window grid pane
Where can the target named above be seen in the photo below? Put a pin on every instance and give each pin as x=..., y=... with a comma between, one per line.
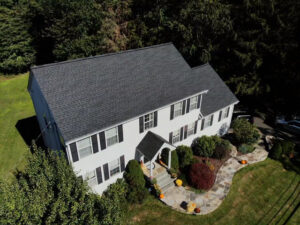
x=114, y=167
x=193, y=103
x=91, y=178
x=149, y=121
x=111, y=136
x=177, y=109
x=207, y=121
x=84, y=147
x=190, y=130
x=176, y=136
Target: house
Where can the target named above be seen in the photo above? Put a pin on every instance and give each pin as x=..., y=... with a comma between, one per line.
x=106, y=110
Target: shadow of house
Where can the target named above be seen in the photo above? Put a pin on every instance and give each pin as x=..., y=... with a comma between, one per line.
x=29, y=130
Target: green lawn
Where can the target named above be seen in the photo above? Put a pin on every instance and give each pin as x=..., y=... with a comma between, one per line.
x=263, y=193
x=15, y=104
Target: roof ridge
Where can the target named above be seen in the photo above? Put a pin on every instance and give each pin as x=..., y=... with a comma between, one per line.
x=98, y=56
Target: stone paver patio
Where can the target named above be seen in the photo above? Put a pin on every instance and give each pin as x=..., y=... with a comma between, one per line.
x=177, y=197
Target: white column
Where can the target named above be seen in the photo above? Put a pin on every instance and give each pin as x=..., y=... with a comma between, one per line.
x=169, y=161
x=151, y=169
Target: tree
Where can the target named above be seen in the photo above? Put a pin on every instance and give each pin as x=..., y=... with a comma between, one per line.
x=49, y=192
x=185, y=155
x=201, y=176
x=16, y=50
x=136, y=183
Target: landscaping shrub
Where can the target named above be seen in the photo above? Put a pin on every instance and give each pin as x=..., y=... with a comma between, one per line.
x=288, y=147
x=222, y=149
x=245, y=148
x=204, y=146
x=174, y=159
x=201, y=177
x=136, y=183
x=245, y=132
x=276, y=151
x=185, y=155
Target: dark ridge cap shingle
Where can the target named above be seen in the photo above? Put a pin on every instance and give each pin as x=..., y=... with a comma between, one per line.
x=98, y=56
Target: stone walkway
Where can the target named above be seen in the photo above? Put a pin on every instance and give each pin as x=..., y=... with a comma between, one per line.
x=178, y=197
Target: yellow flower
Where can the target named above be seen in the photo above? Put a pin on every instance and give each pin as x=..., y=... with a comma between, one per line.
x=178, y=182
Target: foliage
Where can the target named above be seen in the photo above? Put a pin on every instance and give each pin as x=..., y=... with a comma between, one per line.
x=16, y=48
x=174, y=162
x=288, y=147
x=280, y=148
x=245, y=132
x=204, y=146
x=136, y=183
x=48, y=192
x=245, y=148
x=185, y=155
x=201, y=176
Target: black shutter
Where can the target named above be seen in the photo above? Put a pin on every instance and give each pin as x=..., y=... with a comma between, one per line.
x=188, y=106
x=95, y=143
x=102, y=140
x=183, y=107
x=170, y=137
x=120, y=132
x=227, y=112
x=99, y=175
x=202, y=125
x=141, y=124
x=198, y=103
x=172, y=112
x=155, y=119
x=181, y=133
x=212, y=119
x=74, y=152
x=220, y=115
x=122, y=161
x=185, y=131
x=195, y=128
x=106, y=173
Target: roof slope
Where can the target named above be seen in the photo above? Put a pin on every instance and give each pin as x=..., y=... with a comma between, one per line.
x=90, y=94
x=150, y=145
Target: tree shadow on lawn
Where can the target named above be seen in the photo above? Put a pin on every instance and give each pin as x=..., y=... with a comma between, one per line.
x=29, y=130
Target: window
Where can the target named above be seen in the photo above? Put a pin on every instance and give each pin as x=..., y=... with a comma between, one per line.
x=84, y=147
x=225, y=113
x=207, y=121
x=190, y=129
x=177, y=109
x=176, y=136
x=90, y=177
x=193, y=103
x=111, y=136
x=114, y=167
x=148, y=121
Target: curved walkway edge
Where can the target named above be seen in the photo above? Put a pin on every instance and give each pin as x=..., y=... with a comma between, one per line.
x=212, y=199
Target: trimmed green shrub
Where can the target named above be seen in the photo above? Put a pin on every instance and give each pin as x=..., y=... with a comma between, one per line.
x=276, y=151
x=136, y=183
x=204, y=146
x=246, y=148
x=245, y=132
x=185, y=155
x=288, y=147
x=220, y=152
x=174, y=161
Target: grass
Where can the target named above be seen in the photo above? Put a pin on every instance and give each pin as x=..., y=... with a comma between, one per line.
x=263, y=193
x=15, y=105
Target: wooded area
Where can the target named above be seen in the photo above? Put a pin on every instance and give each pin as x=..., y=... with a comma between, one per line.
x=253, y=44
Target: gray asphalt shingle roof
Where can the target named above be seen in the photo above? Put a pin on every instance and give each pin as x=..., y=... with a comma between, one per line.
x=90, y=94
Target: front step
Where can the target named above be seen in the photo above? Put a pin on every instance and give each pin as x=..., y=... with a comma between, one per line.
x=165, y=188
x=164, y=181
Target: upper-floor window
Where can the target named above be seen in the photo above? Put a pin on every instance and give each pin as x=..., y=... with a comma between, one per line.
x=193, y=103
x=91, y=178
x=149, y=121
x=84, y=147
x=114, y=167
x=176, y=136
x=190, y=129
x=178, y=109
x=111, y=136
x=224, y=113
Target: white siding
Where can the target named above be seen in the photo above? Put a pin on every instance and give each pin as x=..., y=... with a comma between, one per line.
x=132, y=137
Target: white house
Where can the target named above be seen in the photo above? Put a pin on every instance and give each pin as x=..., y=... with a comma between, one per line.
x=106, y=110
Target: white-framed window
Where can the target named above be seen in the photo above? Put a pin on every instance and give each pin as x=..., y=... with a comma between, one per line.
x=84, y=147
x=114, y=167
x=178, y=109
x=193, y=103
x=176, y=136
x=149, y=121
x=225, y=113
x=91, y=178
x=190, y=129
x=207, y=121
x=111, y=136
